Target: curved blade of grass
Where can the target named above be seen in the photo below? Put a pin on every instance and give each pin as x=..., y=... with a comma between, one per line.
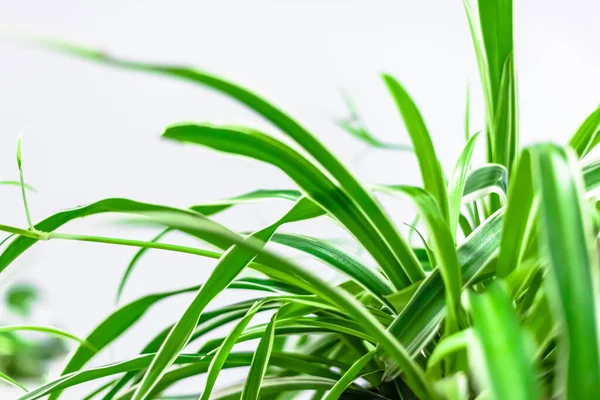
x=258, y=368
x=356, y=127
x=519, y=214
x=7, y=379
x=198, y=363
x=211, y=209
x=457, y=183
x=444, y=251
x=339, y=259
x=49, y=331
x=431, y=263
x=18, y=183
x=447, y=346
x=273, y=385
x=223, y=351
x=209, y=321
x=419, y=320
x=294, y=326
x=503, y=362
x=22, y=243
x=454, y=387
x=505, y=131
x=125, y=317
x=311, y=365
x=574, y=266
x=277, y=117
x=586, y=138
x=491, y=178
x=431, y=170
x=229, y=266
x=351, y=374
x=414, y=375
x=482, y=64
x=318, y=187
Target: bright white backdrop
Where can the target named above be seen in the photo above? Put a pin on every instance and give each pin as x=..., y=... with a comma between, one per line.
x=91, y=132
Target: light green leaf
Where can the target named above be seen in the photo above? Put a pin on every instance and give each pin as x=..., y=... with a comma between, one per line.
x=503, y=363
x=567, y=239
x=258, y=368
x=457, y=183
x=346, y=380
x=431, y=170
x=586, y=138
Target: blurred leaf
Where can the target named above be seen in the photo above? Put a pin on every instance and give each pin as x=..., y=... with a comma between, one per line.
x=20, y=297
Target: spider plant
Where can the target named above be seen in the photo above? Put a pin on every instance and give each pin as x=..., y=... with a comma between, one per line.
x=496, y=301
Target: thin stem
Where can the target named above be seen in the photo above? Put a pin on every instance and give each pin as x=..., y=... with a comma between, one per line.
x=22, y=183
x=135, y=243
x=23, y=232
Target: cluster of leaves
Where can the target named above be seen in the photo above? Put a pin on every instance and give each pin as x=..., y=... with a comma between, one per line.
x=497, y=302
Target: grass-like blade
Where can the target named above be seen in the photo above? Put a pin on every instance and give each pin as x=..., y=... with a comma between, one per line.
x=586, y=137
x=356, y=127
x=349, y=376
x=314, y=183
x=415, y=326
x=505, y=131
x=503, y=362
x=457, y=183
x=229, y=266
x=260, y=361
x=49, y=331
x=223, y=351
x=414, y=375
x=213, y=208
x=518, y=217
x=277, y=117
x=442, y=244
x=339, y=259
x=572, y=257
x=7, y=379
x=431, y=170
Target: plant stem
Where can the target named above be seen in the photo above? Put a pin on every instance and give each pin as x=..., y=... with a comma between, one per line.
x=135, y=243
x=22, y=183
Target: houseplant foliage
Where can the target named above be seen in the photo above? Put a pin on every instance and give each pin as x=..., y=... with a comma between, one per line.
x=497, y=301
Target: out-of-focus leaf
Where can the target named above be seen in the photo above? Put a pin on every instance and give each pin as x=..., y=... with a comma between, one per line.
x=504, y=362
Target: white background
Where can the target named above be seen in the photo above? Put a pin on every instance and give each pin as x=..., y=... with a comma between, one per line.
x=92, y=132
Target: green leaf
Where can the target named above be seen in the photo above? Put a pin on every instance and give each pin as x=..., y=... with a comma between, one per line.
x=282, y=384
x=567, y=239
x=229, y=266
x=224, y=349
x=519, y=217
x=431, y=170
x=339, y=259
x=314, y=183
x=505, y=130
x=457, y=183
x=442, y=244
x=586, y=138
x=503, y=362
x=491, y=178
x=193, y=363
x=213, y=208
x=49, y=331
x=415, y=326
x=346, y=380
x=356, y=127
x=414, y=375
x=258, y=368
x=11, y=381
x=355, y=191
